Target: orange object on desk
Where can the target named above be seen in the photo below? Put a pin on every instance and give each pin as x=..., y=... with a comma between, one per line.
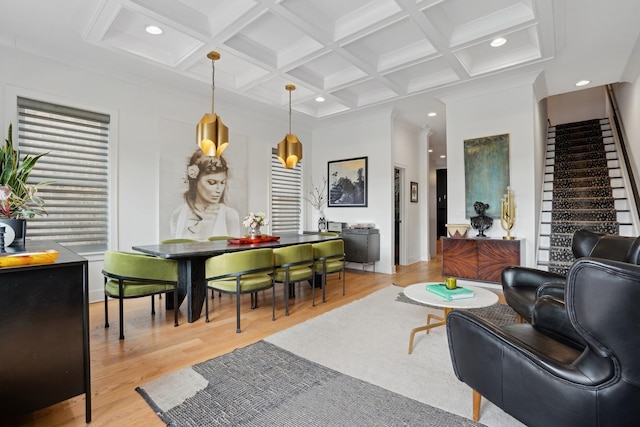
x=28, y=258
x=250, y=240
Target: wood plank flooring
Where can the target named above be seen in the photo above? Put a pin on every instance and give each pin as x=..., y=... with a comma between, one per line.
x=154, y=347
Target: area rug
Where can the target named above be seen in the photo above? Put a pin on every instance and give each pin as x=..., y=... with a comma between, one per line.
x=368, y=339
x=264, y=385
x=347, y=367
x=498, y=314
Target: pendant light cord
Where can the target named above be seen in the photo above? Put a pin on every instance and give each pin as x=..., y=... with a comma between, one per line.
x=289, y=111
x=213, y=84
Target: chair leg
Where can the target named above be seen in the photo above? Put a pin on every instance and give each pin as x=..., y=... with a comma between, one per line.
x=476, y=405
x=106, y=311
x=238, y=304
x=153, y=305
x=324, y=287
x=286, y=297
x=313, y=290
x=175, y=307
x=206, y=307
x=238, y=313
x=286, y=292
x=273, y=302
x=344, y=289
x=121, y=304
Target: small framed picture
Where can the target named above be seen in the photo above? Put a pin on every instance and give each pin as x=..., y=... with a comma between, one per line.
x=414, y=192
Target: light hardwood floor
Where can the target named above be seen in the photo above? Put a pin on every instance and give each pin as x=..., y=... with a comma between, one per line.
x=154, y=347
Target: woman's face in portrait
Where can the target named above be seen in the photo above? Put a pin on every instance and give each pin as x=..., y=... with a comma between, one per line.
x=210, y=187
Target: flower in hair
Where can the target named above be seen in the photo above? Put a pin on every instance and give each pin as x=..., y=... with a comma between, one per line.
x=193, y=171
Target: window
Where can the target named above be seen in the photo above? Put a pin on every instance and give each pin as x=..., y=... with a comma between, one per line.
x=76, y=202
x=286, y=190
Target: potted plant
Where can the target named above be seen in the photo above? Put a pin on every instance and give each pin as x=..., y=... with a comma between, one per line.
x=18, y=200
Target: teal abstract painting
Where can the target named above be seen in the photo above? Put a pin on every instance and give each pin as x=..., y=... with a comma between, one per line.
x=486, y=172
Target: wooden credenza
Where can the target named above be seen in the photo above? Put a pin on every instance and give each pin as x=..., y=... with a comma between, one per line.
x=479, y=258
x=44, y=326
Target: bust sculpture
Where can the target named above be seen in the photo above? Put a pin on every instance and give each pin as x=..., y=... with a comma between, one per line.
x=481, y=222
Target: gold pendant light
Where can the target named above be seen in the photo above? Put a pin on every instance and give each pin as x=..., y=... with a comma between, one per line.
x=290, y=148
x=211, y=134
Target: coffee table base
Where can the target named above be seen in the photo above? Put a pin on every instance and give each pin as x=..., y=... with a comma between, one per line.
x=441, y=321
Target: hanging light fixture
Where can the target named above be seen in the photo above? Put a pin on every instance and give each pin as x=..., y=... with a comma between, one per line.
x=211, y=134
x=290, y=148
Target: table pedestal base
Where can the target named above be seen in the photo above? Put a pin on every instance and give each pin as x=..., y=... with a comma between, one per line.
x=441, y=321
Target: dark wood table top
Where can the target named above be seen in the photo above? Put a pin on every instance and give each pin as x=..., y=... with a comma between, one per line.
x=217, y=247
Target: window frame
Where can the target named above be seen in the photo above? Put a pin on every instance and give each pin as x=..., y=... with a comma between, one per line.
x=11, y=116
x=300, y=168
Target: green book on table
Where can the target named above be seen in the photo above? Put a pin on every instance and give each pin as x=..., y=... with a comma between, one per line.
x=448, y=294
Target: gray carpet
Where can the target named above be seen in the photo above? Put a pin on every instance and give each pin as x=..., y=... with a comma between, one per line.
x=264, y=385
x=498, y=314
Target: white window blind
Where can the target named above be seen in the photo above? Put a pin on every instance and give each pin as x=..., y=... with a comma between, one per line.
x=77, y=143
x=286, y=191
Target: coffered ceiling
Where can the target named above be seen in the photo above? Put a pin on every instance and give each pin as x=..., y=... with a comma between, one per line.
x=356, y=54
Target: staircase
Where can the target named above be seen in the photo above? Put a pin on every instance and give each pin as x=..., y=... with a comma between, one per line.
x=583, y=188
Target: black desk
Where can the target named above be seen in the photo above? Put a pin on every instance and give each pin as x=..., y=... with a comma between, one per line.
x=191, y=258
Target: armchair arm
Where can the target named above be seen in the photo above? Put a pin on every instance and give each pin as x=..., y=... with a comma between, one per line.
x=551, y=318
x=552, y=289
x=516, y=277
x=503, y=348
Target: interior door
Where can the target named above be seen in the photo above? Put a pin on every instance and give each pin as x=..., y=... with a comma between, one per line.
x=441, y=191
x=397, y=221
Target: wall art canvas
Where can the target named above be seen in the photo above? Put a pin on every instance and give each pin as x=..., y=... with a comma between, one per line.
x=486, y=172
x=348, y=182
x=221, y=186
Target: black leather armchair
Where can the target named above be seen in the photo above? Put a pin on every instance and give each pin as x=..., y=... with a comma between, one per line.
x=575, y=365
x=522, y=286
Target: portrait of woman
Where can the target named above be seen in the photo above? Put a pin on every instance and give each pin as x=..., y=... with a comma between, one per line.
x=205, y=212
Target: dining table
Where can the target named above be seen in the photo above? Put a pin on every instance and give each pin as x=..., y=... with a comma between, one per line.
x=191, y=258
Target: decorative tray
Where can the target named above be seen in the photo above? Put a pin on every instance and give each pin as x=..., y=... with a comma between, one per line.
x=28, y=258
x=253, y=240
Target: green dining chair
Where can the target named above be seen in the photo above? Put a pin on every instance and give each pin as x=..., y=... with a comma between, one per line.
x=214, y=238
x=170, y=241
x=292, y=264
x=131, y=275
x=238, y=273
x=328, y=258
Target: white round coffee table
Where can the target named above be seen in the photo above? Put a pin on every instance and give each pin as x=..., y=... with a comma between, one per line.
x=418, y=292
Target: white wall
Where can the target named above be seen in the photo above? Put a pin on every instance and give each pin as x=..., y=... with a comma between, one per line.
x=628, y=100
x=370, y=136
x=510, y=111
x=585, y=104
x=406, y=155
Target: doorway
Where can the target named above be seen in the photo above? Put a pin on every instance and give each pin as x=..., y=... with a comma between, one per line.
x=397, y=184
x=441, y=202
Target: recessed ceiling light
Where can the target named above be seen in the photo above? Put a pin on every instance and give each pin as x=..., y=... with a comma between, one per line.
x=319, y=99
x=443, y=157
x=583, y=82
x=497, y=42
x=431, y=150
x=432, y=114
x=153, y=29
